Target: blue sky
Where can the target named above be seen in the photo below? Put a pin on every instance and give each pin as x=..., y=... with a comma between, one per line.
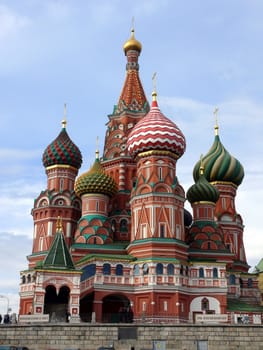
x=206, y=54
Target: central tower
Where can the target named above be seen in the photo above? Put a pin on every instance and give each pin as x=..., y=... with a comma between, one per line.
x=116, y=161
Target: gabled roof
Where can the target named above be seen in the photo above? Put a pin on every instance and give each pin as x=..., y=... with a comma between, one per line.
x=59, y=256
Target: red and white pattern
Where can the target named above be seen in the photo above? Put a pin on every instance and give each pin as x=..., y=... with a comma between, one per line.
x=156, y=132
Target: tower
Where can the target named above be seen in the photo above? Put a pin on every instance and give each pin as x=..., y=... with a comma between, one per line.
x=62, y=160
x=226, y=173
x=117, y=162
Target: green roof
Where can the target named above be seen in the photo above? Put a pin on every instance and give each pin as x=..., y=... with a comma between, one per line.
x=240, y=305
x=259, y=266
x=58, y=256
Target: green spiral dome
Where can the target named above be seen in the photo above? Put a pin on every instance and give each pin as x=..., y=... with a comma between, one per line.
x=220, y=165
x=62, y=151
x=202, y=190
x=95, y=181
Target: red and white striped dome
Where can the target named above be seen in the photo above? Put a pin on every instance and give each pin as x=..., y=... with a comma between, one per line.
x=156, y=132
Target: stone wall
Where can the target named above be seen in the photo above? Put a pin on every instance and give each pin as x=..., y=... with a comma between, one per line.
x=133, y=337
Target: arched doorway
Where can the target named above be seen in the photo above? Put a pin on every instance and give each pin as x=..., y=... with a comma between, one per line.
x=86, y=307
x=56, y=305
x=115, y=308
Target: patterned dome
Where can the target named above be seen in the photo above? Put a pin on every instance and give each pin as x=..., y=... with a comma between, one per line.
x=95, y=181
x=156, y=132
x=220, y=165
x=62, y=151
x=202, y=190
x=132, y=44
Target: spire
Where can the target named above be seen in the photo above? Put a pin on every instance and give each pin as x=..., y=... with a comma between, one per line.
x=132, y=97
x=216, y=121
x=154, y=93
x=59, y=256
x=64, y=121
x=97, y=153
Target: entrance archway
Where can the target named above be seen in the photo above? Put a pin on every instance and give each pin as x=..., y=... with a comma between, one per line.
x=56, y=305
x=86, y=307
x=115, y=308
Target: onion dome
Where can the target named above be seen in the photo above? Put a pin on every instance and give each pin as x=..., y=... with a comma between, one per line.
x=220, y=165
x=62, y=151
x=132, y=44
x=95, y=181
x=156, y=132
x=202, y=190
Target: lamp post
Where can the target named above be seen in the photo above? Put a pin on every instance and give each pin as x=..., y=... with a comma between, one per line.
x=7, y=299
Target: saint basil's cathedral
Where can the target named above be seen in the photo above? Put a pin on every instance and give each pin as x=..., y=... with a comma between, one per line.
x=115, y=243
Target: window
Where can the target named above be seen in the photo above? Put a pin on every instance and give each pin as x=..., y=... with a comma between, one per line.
x=205, y=304
x=170, y=269
x=145, y=269
x=232, y=279
x=201, y=273
x=119, y=270
x=123, y=225
x=97, y=206
x=215, y=272
x=250, y=283
x=162, y=230
x=159, y=269
x=136, y=270
x=106, y=270
x=181, y=270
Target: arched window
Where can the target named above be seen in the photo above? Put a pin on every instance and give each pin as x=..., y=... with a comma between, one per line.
x=23, y=279
x=215, y=272
x=119, y=270
x=123, y=226
x=201, y=272
x=159, y=269
x=250, y=283
x=241, y=283
x=181, y=270
x=170, y=269
x=145, y=269
x=205, y=304
x=106, y=270
x=232, y=279
x=136, y=270
x=28, y=278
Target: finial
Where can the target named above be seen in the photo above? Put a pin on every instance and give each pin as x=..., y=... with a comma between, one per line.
x=216, y=122
x=97, y=148
x=154, y=93
x=64, y=121
x=59, y=224
x=202, y=168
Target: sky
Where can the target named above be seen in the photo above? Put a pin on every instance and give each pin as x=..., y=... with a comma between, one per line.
x=206, y=54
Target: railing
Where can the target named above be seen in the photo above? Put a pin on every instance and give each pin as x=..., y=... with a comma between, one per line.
x=151, y=280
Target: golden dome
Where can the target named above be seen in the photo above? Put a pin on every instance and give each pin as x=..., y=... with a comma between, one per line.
x=132, y=44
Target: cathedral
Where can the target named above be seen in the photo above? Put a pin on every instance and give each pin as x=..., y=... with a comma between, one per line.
x=115, y=243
